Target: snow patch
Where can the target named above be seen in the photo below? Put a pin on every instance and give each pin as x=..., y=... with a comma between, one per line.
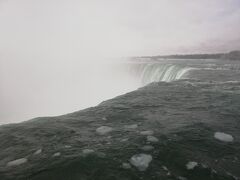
x=191, y=165
x=17, y=162
x=223, y=137
x=103, y=130
x=141, y=161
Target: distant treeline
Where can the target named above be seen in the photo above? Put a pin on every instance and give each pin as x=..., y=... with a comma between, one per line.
x=233, y=55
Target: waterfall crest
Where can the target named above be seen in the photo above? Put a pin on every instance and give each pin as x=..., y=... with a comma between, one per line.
x=155, y=72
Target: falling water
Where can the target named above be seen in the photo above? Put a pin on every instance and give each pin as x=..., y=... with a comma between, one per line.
x=154, y=72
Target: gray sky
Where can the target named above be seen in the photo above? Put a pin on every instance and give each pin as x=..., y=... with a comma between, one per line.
x=44, y=44
x=79, y=28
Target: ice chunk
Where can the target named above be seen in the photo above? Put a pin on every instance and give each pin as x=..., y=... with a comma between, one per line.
x=104, y=118
x=182, y=178
x=17, y=162
x=88, y=151
x=165, y=168
x=191, y=165
x=56, y=154
x=67, y=146
x=146, y=133
x=39, y=151
x=223, y=137
x=147, y=148
x=103, y=130
x=133, y=126
x=124, y=140
x=126, y=166
x=152, y=139
x=141, y=161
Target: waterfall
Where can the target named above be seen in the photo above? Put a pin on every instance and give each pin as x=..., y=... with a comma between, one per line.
x=154, y=72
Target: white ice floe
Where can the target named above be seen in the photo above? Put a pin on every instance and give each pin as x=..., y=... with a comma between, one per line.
x=101, y=154
x=56, y=154
x=165, y=168
x=223, y=137
x=191, y=165
x=39, y=151
x=147, y=133
x=104, y=118
x=103, y=130
x=182, y=178
x=124, y=140
x=147, y=148
x=141, y=161
x=67, y=146
x=132, y=126
x=126, y=166
x=88, y=151
x=17, y=162
x=152, y=139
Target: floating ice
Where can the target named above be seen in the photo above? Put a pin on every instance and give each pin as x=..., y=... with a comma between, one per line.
x=103, y=130
x=141, y=161
x=88, y=151
x=101, y=154
x=124, y=140
x=165, y=168
x=56, y=154
x=146, y=133
x=17, y=162
x=223, y=137
x=191, y=165
x=104, y=118
x=39, y=151
x=152, y=139
x=133, y=126
x=182, y=178
x=126, y=166
x=67, y=146
x=147, y=148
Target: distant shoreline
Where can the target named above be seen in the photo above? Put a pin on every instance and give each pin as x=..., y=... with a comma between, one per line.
x=233, y=55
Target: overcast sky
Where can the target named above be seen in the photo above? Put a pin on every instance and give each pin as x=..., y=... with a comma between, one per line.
x=44, y=44
x=78, y=28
